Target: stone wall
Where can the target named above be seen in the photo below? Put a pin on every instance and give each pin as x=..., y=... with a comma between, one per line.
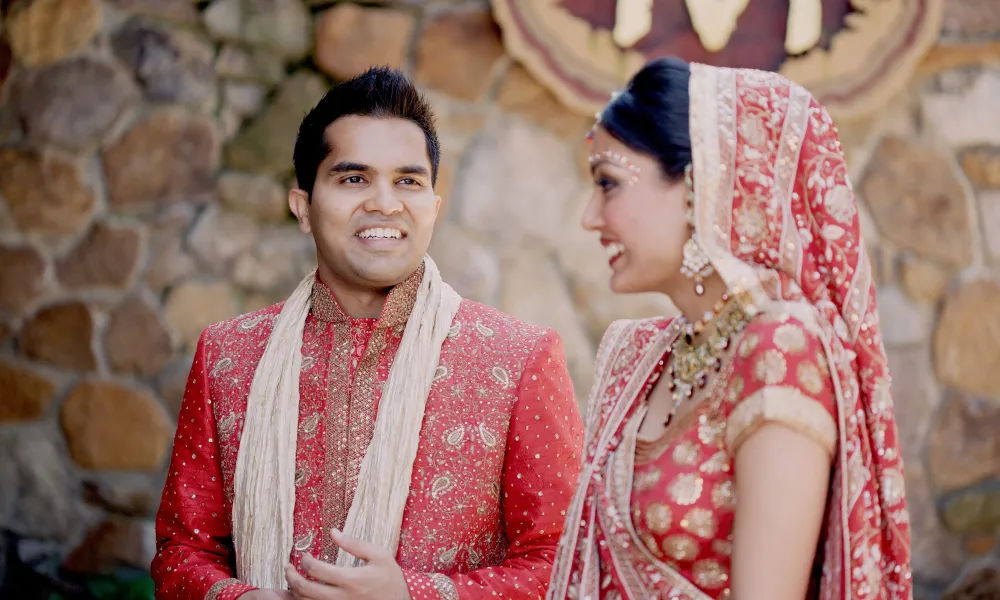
x=145, y=148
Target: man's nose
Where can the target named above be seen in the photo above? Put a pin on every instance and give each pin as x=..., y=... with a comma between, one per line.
x=384, y=199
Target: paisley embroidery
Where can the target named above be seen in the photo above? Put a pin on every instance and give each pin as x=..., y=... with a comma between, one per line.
x=455, y=436
x=489, y=440
x=500, y=376
x=221, y=366
x=440, y=486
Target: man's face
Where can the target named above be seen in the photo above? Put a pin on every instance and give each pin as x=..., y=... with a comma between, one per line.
x=373, y=205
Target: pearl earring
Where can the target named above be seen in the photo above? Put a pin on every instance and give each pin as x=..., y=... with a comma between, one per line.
x=696, y=263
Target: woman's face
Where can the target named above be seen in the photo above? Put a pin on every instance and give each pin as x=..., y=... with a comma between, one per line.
x=640, y=216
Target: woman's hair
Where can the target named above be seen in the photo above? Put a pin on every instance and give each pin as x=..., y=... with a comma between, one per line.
x=652, y=114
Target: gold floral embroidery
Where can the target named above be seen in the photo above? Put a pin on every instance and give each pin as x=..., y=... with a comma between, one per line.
x=748, y=345
x=723, y=496
x=735, y=389
x=770, y=368
x=680, y=547
x=709, y=574
x=892, y=486
x=722, y=547
x=809, y=377
x=839, y=202
x=718, y=463
x=701, y=522
x=751, y=222
x=686, y=489
x=658, y=518
x=686, y=453
x=216, y=590
x=821, y=364
x=651, y=544
x=710, y=431
x=647, y=479
x=790, y=338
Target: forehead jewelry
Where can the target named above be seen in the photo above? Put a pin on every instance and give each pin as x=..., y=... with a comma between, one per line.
x=597, y=117
x=618, y=159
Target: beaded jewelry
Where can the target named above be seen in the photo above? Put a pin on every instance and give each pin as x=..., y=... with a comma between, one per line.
x=696, y=263
x=616, y=158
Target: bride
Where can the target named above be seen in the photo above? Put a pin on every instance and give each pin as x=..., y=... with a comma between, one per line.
x=746, y=449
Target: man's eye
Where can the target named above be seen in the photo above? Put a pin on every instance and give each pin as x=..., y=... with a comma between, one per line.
x=409, y=181
x=354, y=179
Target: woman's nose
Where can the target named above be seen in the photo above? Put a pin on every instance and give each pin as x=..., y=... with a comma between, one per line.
x=591, y=219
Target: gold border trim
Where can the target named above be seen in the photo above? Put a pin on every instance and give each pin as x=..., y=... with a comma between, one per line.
x=786, y=406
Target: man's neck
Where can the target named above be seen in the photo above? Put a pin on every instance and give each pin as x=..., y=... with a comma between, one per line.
x=354, y=302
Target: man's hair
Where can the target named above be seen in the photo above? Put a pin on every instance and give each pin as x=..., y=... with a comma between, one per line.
x=380, y=93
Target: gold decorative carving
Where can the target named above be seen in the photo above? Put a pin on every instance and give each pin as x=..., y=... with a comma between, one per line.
x=854, y=55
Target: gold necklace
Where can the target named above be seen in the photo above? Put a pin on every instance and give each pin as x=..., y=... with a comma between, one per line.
x=691, y=365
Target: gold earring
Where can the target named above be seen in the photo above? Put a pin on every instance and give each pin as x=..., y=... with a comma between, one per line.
x=696, y=265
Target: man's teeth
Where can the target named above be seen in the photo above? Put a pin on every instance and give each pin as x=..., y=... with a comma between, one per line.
x=381, y=233
x=614, y=250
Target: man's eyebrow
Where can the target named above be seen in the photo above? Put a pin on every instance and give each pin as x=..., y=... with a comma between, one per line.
x=413, y=170
x=348, y=166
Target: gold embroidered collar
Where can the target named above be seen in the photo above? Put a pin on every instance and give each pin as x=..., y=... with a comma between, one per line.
x=395, y=312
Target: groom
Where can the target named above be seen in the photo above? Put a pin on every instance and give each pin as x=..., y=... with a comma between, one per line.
x=375, y=436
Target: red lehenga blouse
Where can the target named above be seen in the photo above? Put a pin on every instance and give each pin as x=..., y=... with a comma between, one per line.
x=675, y=495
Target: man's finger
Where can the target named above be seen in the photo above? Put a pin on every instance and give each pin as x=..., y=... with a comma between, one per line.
x=366, y=551
x=309, y=590
x=325, y=572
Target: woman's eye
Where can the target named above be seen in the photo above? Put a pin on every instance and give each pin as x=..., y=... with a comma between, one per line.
x=606, y=184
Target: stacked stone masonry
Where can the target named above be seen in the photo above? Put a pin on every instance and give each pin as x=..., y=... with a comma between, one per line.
x=145, y=150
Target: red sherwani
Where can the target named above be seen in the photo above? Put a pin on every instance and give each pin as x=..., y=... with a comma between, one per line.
x=496, y=467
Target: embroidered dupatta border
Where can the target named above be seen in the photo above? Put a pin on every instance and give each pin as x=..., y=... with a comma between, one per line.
x=612, y=353
x=713, y=142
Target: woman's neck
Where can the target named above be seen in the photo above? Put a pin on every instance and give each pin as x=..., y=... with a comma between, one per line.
x=692, y=305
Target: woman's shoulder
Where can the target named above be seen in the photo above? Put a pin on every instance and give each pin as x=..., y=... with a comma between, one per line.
x=780, y=374
x=781, y=331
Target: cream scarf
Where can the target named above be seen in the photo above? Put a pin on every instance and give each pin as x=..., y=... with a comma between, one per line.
x=264, y=494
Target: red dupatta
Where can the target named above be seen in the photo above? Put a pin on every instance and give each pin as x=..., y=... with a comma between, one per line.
x=777, y=215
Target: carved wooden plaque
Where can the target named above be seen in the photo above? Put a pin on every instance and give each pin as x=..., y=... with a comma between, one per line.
x=852, y=54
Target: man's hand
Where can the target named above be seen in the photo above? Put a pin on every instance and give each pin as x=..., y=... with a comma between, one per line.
x=266, y=595
x=379, y=579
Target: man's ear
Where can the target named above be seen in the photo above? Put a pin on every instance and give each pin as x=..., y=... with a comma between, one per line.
x=298, y=203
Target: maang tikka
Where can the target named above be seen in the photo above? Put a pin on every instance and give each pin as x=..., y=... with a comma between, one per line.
x=696, y=264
